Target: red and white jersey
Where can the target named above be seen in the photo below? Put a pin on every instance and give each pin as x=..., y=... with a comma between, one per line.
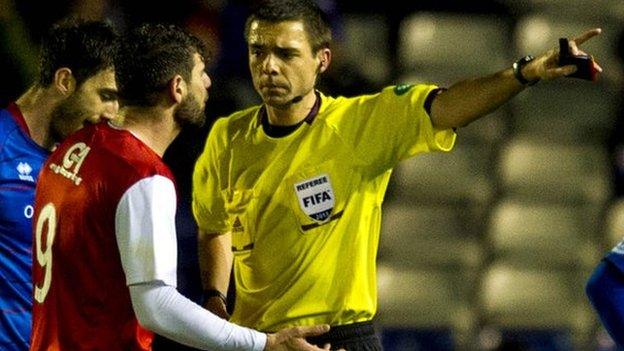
x=103, y=198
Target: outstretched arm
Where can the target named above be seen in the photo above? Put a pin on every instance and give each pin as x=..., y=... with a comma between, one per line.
x=471, y=99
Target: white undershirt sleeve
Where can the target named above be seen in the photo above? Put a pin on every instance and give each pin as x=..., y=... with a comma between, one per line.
x=145, y=230
x=146, y=238
x=163, y=310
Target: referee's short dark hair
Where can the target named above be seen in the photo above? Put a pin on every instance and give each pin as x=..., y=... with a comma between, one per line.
x=314, y=19
x=85, y=47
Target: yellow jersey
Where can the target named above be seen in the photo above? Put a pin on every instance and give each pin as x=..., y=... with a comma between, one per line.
x=305, y=209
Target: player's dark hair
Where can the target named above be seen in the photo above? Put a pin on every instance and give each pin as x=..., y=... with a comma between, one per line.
x=85, y=47
x=149, y=57
x=314, y=19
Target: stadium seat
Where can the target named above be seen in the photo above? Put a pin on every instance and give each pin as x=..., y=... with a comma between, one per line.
x=537, y=170
x=602, y=10
x=422, y=309
x=366, y=47
x=565, y=111
x=442, y=77
x=460, y=176
x=543, y=236
x=431, y=236
x=489, y=131
x=532, y=306
x=441, y=42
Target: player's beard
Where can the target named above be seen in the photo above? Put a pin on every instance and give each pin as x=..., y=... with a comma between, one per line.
x=67, y=117
x=190, y=112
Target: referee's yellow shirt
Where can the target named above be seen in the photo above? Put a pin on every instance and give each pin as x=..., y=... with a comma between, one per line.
x=305, y=209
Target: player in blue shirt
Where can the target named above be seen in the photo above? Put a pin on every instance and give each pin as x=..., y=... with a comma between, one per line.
x=605, y=290
x=76, y=84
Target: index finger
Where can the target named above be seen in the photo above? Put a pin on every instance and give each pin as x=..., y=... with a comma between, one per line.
x=314, y=330
x=587, y=35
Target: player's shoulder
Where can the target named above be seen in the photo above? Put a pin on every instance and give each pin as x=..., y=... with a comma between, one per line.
x=15, y=143
x=389, y=92
x=334, y=108
x=7, y=124
x=389, y=95
x=340, y=103
x=135, y=156
x=115, y=150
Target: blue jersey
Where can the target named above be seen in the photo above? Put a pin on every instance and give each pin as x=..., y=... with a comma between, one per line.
x=20, y=161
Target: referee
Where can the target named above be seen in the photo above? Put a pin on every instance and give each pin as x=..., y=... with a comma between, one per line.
x=290, y=191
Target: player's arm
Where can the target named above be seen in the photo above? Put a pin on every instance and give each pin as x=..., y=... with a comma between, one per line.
x=162, y=309
x=605, y=289
x=215, y=263
x=471, y=99
x=146, y=239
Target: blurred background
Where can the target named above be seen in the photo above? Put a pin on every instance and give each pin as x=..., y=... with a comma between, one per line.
x=485, y=248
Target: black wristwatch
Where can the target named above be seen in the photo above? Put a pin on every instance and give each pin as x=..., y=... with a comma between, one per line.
x=517, y=70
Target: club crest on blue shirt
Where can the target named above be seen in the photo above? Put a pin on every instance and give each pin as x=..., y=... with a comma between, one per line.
x=316, y=197
x=24, y=170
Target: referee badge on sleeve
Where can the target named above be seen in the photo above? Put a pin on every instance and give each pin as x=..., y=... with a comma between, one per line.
x=316, y=197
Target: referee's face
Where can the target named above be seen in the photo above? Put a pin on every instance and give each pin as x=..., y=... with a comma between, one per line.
x=282, y=64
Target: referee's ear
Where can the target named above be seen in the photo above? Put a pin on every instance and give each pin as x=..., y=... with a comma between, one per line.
x=324, y=59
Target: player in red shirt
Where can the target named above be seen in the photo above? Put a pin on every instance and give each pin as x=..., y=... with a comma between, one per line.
x=104, y=269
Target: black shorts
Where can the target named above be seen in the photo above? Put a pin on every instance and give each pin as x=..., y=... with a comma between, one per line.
x=351, y=337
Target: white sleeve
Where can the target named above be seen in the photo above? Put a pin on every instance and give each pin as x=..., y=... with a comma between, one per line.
x=163, y=310
x=145, y=231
